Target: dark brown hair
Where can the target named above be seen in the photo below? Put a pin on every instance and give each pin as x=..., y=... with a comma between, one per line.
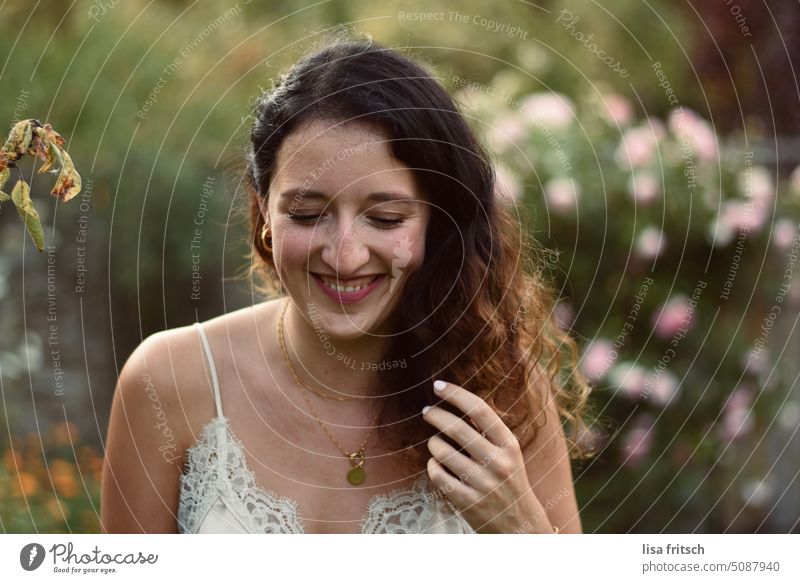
x=479, y=311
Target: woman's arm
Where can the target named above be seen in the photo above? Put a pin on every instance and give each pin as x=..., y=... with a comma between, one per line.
x=143, y=453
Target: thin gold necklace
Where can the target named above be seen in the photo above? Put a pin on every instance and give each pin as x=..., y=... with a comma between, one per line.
x=356, y=475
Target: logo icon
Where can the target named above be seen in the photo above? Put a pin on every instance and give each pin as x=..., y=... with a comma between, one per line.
x=31, y=556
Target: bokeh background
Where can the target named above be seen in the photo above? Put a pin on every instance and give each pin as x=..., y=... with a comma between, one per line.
x=655, y=144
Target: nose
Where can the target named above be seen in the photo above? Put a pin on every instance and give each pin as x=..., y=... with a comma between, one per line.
x=344, y=251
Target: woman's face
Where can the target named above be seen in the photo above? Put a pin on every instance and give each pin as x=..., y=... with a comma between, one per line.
x=341, y=207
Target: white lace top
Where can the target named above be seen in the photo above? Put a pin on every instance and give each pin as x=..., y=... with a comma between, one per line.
x=219, y=493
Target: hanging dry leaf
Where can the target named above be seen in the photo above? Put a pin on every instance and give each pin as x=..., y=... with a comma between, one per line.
x=69, y=181
x=53, y=156
x=22, y=199
x=19, y=140
x=4, y=174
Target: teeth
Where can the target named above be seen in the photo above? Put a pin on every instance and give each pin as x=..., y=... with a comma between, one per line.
x=346, y=288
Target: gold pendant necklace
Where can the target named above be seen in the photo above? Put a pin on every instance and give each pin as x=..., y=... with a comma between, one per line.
x=356, y=475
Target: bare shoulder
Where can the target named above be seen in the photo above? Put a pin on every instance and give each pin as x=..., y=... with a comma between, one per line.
x=161, y=402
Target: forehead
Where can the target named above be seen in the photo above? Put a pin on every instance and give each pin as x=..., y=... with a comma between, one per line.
x=338, y=159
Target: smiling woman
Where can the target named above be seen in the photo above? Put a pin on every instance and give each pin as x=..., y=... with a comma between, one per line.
x=376, y=221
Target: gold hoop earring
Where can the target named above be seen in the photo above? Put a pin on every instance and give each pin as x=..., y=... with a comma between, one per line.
x=266, y=234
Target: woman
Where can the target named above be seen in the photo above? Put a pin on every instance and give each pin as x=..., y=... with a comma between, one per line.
x=375, y=218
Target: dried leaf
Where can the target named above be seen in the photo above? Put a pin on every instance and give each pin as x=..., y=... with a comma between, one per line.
x=53, y=156
x=69, y=181
x=19, y=140
x=22, y=198
x=4, y=197
x=51, y=136
x=4, y=174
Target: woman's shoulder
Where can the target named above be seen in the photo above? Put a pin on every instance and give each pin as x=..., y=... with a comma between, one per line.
x=172, y=368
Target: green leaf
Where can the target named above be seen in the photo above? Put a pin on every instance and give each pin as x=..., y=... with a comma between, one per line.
x=22, y=198
x=4, y=174
x=4, y=197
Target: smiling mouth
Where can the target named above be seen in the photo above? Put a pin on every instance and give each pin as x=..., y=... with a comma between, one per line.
x=349, y=287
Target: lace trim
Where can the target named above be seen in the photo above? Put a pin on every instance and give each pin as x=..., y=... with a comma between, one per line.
x=216, y=467
x=410, y=511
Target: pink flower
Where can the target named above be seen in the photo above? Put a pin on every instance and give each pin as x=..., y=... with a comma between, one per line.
x=598, y=358
x=756, y=361
x=794, y=182
x=674, y=316
x=550, y=110
x=783, y=234
x=506, y=131
x=737, y=421
x=637, y=148
x=617, y=109
x=643, y=187
x=629, y=378
x=687, y=125
x=562, y=194
x=650, y=243
x=638, y=442
x=507, y=186
x=661, y=387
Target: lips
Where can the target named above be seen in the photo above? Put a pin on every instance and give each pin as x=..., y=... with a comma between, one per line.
x=348, y=297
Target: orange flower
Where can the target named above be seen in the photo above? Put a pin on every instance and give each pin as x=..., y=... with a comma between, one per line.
x=13, y=461
x=29, y=483
x=63, y=477
x=58, y=511
x=64, y=433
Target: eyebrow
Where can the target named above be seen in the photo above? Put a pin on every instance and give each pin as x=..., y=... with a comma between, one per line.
x=374, y=196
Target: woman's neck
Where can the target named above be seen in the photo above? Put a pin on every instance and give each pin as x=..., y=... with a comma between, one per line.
x=343, y=368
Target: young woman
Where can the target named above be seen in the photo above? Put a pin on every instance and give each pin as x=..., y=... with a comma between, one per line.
x=376, y=220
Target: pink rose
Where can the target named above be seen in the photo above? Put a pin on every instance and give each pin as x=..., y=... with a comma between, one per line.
x=674, y=316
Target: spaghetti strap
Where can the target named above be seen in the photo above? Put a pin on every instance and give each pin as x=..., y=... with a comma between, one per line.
x=214, y=380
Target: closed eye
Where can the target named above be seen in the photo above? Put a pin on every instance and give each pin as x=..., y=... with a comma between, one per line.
x=382, y=222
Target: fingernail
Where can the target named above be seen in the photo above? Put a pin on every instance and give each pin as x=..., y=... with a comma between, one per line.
x=425, y=409
x=439, y=386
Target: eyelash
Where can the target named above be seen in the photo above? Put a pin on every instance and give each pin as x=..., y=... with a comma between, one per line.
x=382, y=223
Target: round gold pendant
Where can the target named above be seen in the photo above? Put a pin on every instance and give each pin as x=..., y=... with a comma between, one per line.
x=356, y=476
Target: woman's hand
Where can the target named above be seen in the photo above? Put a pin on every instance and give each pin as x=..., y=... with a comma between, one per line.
x=492, y=490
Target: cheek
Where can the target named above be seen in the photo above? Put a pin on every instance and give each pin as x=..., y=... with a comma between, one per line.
x=291, y=245
x=406, y=248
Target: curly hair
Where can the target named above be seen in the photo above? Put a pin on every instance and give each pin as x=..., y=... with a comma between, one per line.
x=479, y=312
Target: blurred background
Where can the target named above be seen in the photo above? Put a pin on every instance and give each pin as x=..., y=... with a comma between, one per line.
x=655, y=145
